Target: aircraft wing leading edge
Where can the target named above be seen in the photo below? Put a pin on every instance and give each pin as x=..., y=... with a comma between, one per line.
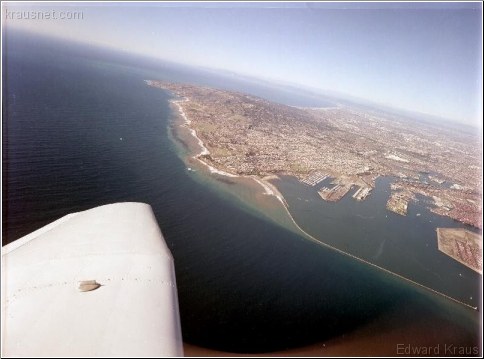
x=94, y=283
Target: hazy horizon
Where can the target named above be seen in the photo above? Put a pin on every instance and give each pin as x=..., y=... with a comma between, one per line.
x=426, y=60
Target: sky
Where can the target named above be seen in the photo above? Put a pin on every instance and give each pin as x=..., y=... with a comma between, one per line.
x=419, y=57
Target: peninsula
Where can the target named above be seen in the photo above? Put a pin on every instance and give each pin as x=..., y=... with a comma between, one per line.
x=243, y=135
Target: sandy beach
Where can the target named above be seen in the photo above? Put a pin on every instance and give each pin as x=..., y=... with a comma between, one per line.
x=269, y=189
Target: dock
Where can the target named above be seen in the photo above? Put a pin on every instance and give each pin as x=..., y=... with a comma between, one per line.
x=398, y=202
x=334, y=194
x=314, y=178
x=362, y=193
x=462, y=245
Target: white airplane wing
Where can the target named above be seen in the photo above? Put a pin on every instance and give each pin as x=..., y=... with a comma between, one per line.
x=94, y=283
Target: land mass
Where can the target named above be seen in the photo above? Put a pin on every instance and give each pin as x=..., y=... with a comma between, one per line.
x=462, y=245
x=243, y=135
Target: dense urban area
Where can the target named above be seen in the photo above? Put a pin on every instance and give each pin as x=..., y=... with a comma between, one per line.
x=246, y=135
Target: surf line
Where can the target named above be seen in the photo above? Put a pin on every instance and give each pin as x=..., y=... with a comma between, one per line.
x=269, y=189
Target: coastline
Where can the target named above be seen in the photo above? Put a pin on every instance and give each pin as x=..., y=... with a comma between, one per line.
x=458, y=199
x=271, y=190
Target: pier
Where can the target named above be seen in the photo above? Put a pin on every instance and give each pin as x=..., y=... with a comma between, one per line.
x=336, y=193
x=314, y=179
x=462, y=245
x=362, y=193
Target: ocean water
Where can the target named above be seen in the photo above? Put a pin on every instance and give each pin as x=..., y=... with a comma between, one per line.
x=406, y=245
x=83, y=131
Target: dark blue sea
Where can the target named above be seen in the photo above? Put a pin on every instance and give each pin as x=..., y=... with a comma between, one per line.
x=82, y=129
